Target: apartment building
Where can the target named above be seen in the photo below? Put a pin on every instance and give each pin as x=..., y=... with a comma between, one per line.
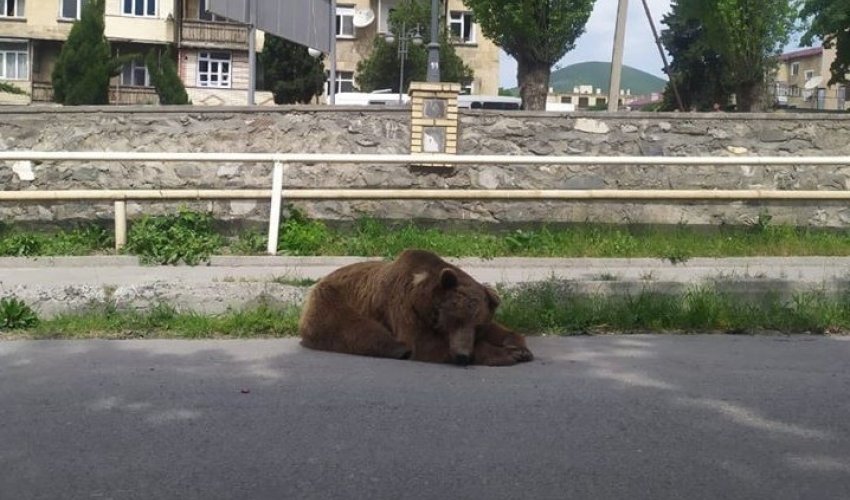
x=212, y=53
x=354, y=43
x=802, y=81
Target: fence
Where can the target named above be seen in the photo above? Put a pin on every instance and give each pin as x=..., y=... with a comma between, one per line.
x=277, y=193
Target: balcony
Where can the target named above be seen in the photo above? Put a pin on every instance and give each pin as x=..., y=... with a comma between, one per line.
x=213, y=34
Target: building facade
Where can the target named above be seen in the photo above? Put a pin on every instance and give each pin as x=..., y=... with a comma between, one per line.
x=802, y=81
x=355, y=43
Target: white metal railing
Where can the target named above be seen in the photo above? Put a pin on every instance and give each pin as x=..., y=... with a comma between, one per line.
x=276, y=193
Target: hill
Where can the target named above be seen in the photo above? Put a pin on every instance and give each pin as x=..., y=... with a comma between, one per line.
x=598, y=74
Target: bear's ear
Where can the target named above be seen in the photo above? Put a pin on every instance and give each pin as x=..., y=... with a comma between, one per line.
x=492, y=298
x=448, y=279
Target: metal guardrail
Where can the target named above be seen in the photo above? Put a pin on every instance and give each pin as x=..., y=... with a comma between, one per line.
x=276, y=193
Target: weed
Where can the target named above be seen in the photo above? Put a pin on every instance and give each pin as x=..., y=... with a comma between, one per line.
x=249, y=243
x=302, y=236
x=288, y=280
x=187, y=236
x=15, y=314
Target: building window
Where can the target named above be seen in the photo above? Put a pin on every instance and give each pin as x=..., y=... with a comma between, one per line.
x=566, y=100
x=809, y=74
x=344, y=81
x=461, y=27
x=583, y=102
x=12, y=8
x=345, y=21
x=468, y=89
x=795, y=69
x=71, y=9
x=135, y=74
x=206, y=15
x=214, y=69
x=14, y=61
x=146, y=8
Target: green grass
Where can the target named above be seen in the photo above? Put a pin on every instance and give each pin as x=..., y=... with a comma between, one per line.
x=543, y=308
x=190, y=237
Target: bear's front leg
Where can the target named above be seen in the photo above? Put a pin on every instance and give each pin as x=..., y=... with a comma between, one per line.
x=496, y=345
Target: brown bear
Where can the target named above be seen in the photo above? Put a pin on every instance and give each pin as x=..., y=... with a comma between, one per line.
x=417, y=306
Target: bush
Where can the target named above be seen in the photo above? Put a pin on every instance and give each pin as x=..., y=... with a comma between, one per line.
x=16, y=315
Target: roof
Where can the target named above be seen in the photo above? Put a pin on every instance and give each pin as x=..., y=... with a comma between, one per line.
x=800, y=54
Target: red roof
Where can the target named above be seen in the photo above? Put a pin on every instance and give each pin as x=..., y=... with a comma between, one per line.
x=800, y=54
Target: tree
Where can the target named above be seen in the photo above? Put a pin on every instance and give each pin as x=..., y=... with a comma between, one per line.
x=85, y=64
x=290, y=72
x=381, y=69
x=537, y=33
x=747, y=36
x=696, y=69
x=165, y=79
x=829, y=20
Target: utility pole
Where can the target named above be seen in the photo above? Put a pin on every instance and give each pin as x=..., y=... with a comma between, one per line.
x=332, y=85
x=252, y=50
x=617, y=55
x=434, y=45
x=663, y=56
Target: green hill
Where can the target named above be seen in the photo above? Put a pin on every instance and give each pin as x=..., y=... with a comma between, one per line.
x=598, y=74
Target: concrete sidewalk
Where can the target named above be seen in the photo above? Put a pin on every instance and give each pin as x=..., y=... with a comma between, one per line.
x=56, y=284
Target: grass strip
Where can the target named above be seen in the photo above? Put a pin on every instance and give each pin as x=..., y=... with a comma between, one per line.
x=543, y=308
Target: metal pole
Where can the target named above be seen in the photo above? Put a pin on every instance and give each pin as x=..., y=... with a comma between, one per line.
x=252, y=49
x=617, y=55
x=120, y=224
x=434, y=44
x=402, y=54
x=274, y=214
x=332, y=89
x=663, y=56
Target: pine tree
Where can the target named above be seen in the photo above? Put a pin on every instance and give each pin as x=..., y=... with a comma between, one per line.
x=290, y=72
x=164, y=77
x=85, y=64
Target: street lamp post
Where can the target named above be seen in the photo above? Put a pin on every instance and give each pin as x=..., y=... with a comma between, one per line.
x=434, y=44
x=404, y=37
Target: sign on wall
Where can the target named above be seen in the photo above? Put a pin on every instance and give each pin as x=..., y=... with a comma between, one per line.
x=306, y=22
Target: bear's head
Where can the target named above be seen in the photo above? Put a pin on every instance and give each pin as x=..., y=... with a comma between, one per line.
x=461, y=305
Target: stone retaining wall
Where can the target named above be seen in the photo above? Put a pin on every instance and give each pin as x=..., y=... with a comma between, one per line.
x=385, y=130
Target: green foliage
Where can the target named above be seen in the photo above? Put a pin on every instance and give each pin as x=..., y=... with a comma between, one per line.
x=381, y=69
x=16, y=315
x=187, y=236
x=83, y=240
x=508, y=92
x=745, y=35
x=537, y=33
x=85, y=64
x=302, y=236
x=829, y=20
x=11, y=89
x=290, y=72
x=164, y=77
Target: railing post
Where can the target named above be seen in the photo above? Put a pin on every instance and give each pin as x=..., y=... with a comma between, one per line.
x=120, y=224
x=274, y=215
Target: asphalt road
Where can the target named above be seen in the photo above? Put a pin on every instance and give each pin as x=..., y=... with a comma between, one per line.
x=626, y=417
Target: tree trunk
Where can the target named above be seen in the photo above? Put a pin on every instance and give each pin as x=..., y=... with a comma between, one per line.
x=749, y=97
x=533, y=79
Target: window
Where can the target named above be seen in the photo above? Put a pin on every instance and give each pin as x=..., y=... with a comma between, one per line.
x=12, y=8
x=14, y=61
x=583, y=102
x=214, y=69
x=460, y=27
x=345, y=21
x=71, y=9
x=344, y=81
x=566, y=100
x=809, y=74
x=468, y=89
x=795, y=69
x=146, y=8
x=206, y=15
x=135, y=74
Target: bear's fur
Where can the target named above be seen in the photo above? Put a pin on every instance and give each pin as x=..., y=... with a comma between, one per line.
x=417, y=306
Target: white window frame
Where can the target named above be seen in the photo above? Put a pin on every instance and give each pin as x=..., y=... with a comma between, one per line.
x=202, y=9
x=18, y=9
x=79, y=10
x=344, y=18
x=808, y=74
x=224, y=78
x=133, y=66
x=18, y=55
x=343, y=77
x=795, y=69
x=462, y=19
x=145, y=5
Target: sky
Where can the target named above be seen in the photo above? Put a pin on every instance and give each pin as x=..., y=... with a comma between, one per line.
x=597, y=42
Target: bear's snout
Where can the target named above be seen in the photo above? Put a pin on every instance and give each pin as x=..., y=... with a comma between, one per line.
x=463, y=359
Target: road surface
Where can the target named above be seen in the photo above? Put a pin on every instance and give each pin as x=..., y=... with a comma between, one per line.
x=609, y=417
